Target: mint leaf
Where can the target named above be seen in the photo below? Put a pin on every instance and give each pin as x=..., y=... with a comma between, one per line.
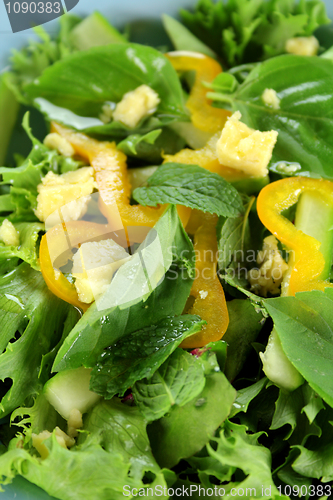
x=102, y=327
x=304, y=326
x=180, y=379
x=192, y=186
x=187, y=429
x=140, y=354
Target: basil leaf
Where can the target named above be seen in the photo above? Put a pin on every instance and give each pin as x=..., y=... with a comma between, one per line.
x=192, y=186
x=304, y=120
x=304, y=326
x=179, y=380
x=140, y=354
x=113, y=71
x=102, y=327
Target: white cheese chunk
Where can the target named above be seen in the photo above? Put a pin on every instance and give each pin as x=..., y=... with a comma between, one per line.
x=245, y=149
x=136, y=105
x=8, y=234
x=94, y=265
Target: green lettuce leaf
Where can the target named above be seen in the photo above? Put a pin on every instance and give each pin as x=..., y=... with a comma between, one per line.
x=114, y=70
x=32, y=325
x=243, y=32
x=140, y=354
x=111, y=319
x=23, y=180
x=239, y=449
x=303, y=324
x=26, y=251
x=192, y=186
x=180, y=379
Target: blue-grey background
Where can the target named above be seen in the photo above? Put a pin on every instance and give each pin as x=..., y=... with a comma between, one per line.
x=143, y=14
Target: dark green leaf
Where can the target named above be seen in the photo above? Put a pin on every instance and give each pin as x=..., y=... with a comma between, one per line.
x=245, y=324
x=303, y=324
x=129, y=145
x=186, y=429
x=245, y=396
x=140, y=354
x=180, y=379
x=191, y=186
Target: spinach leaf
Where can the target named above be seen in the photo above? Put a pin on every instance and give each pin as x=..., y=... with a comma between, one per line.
x=102, y=326
x=113, y=71
x=180, y=379
x=187, y=429
x=140, y=354
x=32, y=324
x=304, y=326
x=304, y=120
x=192, y=186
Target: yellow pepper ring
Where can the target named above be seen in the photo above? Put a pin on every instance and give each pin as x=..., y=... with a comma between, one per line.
x=307, y=260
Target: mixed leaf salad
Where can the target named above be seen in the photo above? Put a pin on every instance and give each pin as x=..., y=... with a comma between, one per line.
x=165, y=257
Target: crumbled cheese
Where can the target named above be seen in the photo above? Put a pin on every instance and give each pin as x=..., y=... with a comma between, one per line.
x=8, y=234
x=107, y=112
x=71, y=189
x=136, y=105
x=56, y=141
x=94, y=265
x=74, y=422
x=245, y=149
x=271, y=99
x=269, y=276
x=302, y=46
x=203, y=294
x=63, y=439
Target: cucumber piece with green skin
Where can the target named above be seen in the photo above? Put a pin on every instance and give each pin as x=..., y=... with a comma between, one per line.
x=69, y=390
x=9, y=108
x=94, y=31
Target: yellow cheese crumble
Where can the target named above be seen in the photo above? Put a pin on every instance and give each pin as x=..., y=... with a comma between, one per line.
x=302, y=46
x=70, y=190
x=271, y=99
x=136, y=105
x=268, y=278
x=55, y=141
x=8, y=234
x=242, y=148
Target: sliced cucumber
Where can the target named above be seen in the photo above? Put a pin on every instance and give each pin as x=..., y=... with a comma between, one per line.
x=69, y=390
x=277, y=366
x=94, y=31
